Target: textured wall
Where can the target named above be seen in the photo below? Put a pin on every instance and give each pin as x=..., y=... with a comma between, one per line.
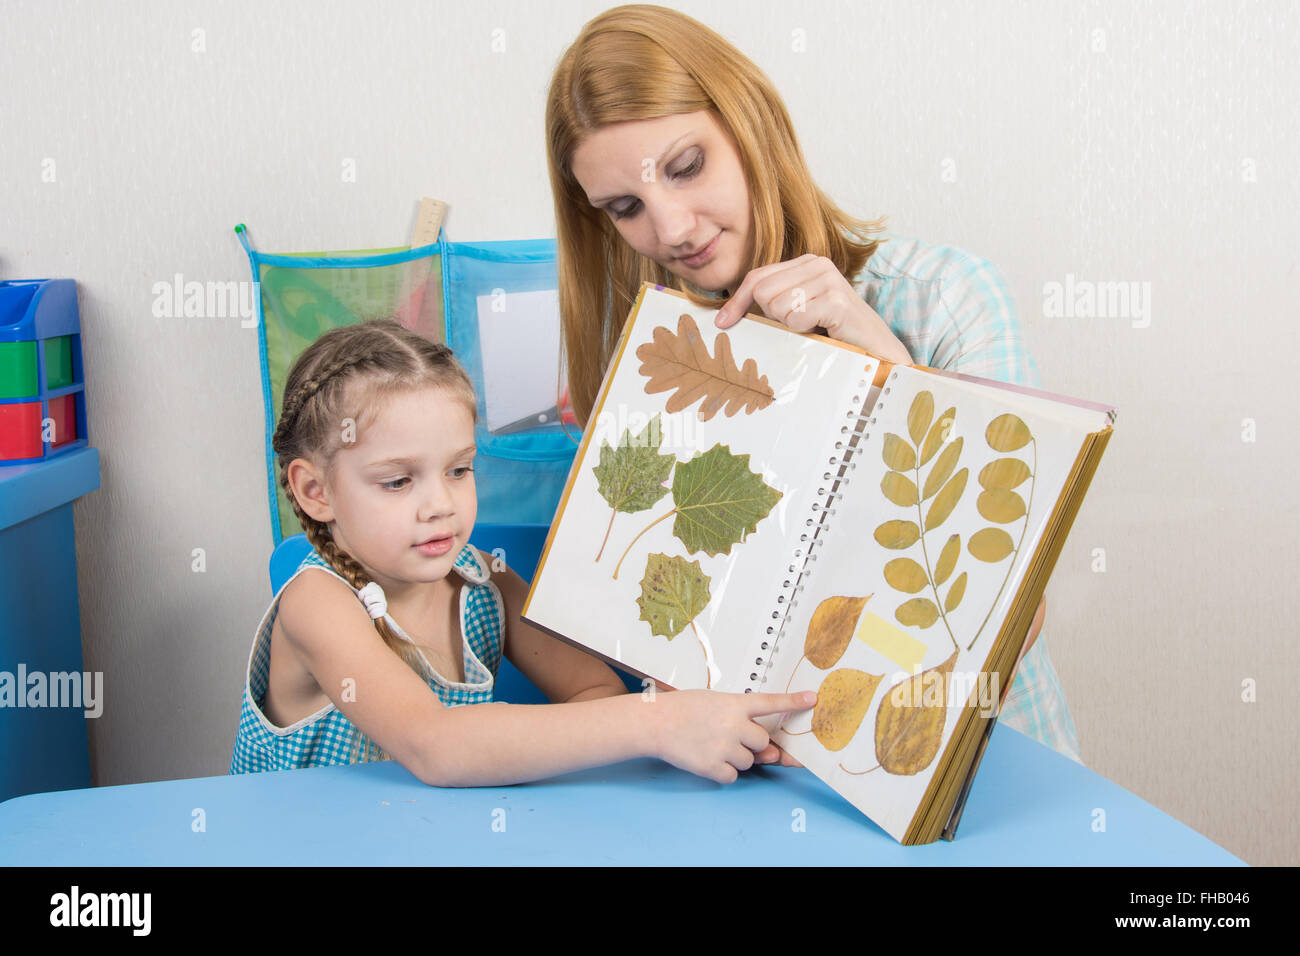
x=1153, y=144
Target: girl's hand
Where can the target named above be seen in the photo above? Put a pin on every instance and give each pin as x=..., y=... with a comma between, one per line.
x=808, y=293
x=712, y=733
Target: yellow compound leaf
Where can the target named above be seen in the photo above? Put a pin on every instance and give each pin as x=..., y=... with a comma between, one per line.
x=947, y=559
x=1000, y=505
x=1005, y=473
x=898, y=454
x=842, y=701
x=919, y=416
x=946, y=500
x=918, y=612
x=955, y=594
x=897, y=535
x=909, y=722
x=831, y=629
x=904, y=574
x=899, y=489
x=939, y=433
x=943, y=467
x=991, y=544
x=1007, y=433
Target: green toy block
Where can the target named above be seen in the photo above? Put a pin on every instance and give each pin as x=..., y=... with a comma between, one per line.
x=18, y=370
x=58, y=361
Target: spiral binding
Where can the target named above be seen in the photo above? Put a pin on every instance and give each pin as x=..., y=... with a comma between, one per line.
x=763, y=662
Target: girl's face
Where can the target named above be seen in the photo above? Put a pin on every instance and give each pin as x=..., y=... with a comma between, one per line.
x=405, y=480
x=673, y=186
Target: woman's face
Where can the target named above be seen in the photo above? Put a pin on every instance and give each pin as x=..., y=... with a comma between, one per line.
x=673, y=186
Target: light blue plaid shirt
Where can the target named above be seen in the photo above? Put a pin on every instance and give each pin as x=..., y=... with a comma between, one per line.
x=952, y=310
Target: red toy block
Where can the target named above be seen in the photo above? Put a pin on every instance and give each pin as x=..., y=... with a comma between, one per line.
x=63, y=411
x=20, y=430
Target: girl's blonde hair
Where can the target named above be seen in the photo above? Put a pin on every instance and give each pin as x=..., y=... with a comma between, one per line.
x=335, y=390
x=640, y=62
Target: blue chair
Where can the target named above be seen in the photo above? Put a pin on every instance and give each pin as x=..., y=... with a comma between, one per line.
x=519, y=545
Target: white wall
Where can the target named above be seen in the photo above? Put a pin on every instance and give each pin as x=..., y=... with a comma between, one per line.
x=1153, y=143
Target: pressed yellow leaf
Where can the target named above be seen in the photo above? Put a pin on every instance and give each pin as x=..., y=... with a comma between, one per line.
x=898, y=454
x=904, y=574
x=899, y=489
x=1007, y=433
x=918, y=612
x=897, y=535
x=955, y=593
x=910, y=719
x=1000, y=505
x=919, y=416
x=943, y=467
x=842, y=701
x=946, y=500
x=939, y=433
x=991, y=544
x=1005, y=473
x=947, y=559
x=831, y=629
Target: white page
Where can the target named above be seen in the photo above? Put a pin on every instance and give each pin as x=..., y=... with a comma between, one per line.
x=849, y=562
x=789, y=443
x=519, y=343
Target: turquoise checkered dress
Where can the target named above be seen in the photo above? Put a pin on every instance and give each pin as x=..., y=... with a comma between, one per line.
x=324, y=738
x=953, y=311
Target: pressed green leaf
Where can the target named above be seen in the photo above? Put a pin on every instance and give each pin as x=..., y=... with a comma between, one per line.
x=955, y=593
x=897, y=535
x=947, y=559
x=940, y=432
x=898, y=454
x=899, y=489
x=1005, y=473
x=943, y=467
x=946, y=500
x=719, y=501
x=1007, y=433
x=1000, y=505
x=991, y=544
x=919, y=416
x=918, y=612
x=904, y=574
x=631, y=477
x=673, y=591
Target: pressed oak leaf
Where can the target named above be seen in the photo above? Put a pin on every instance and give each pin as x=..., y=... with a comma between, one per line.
x=681, y=361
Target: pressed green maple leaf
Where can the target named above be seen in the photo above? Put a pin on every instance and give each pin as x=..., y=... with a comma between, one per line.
x=673, y=591
x=631, y=477
x=719, y=501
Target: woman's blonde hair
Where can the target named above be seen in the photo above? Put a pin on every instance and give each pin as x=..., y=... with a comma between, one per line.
x=336, y=389
x=640, y=62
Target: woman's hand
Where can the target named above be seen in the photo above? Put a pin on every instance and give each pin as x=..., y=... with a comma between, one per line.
x=808, y=293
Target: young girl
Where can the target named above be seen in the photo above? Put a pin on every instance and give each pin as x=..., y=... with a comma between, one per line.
x=376, y=447
x=672, y=159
